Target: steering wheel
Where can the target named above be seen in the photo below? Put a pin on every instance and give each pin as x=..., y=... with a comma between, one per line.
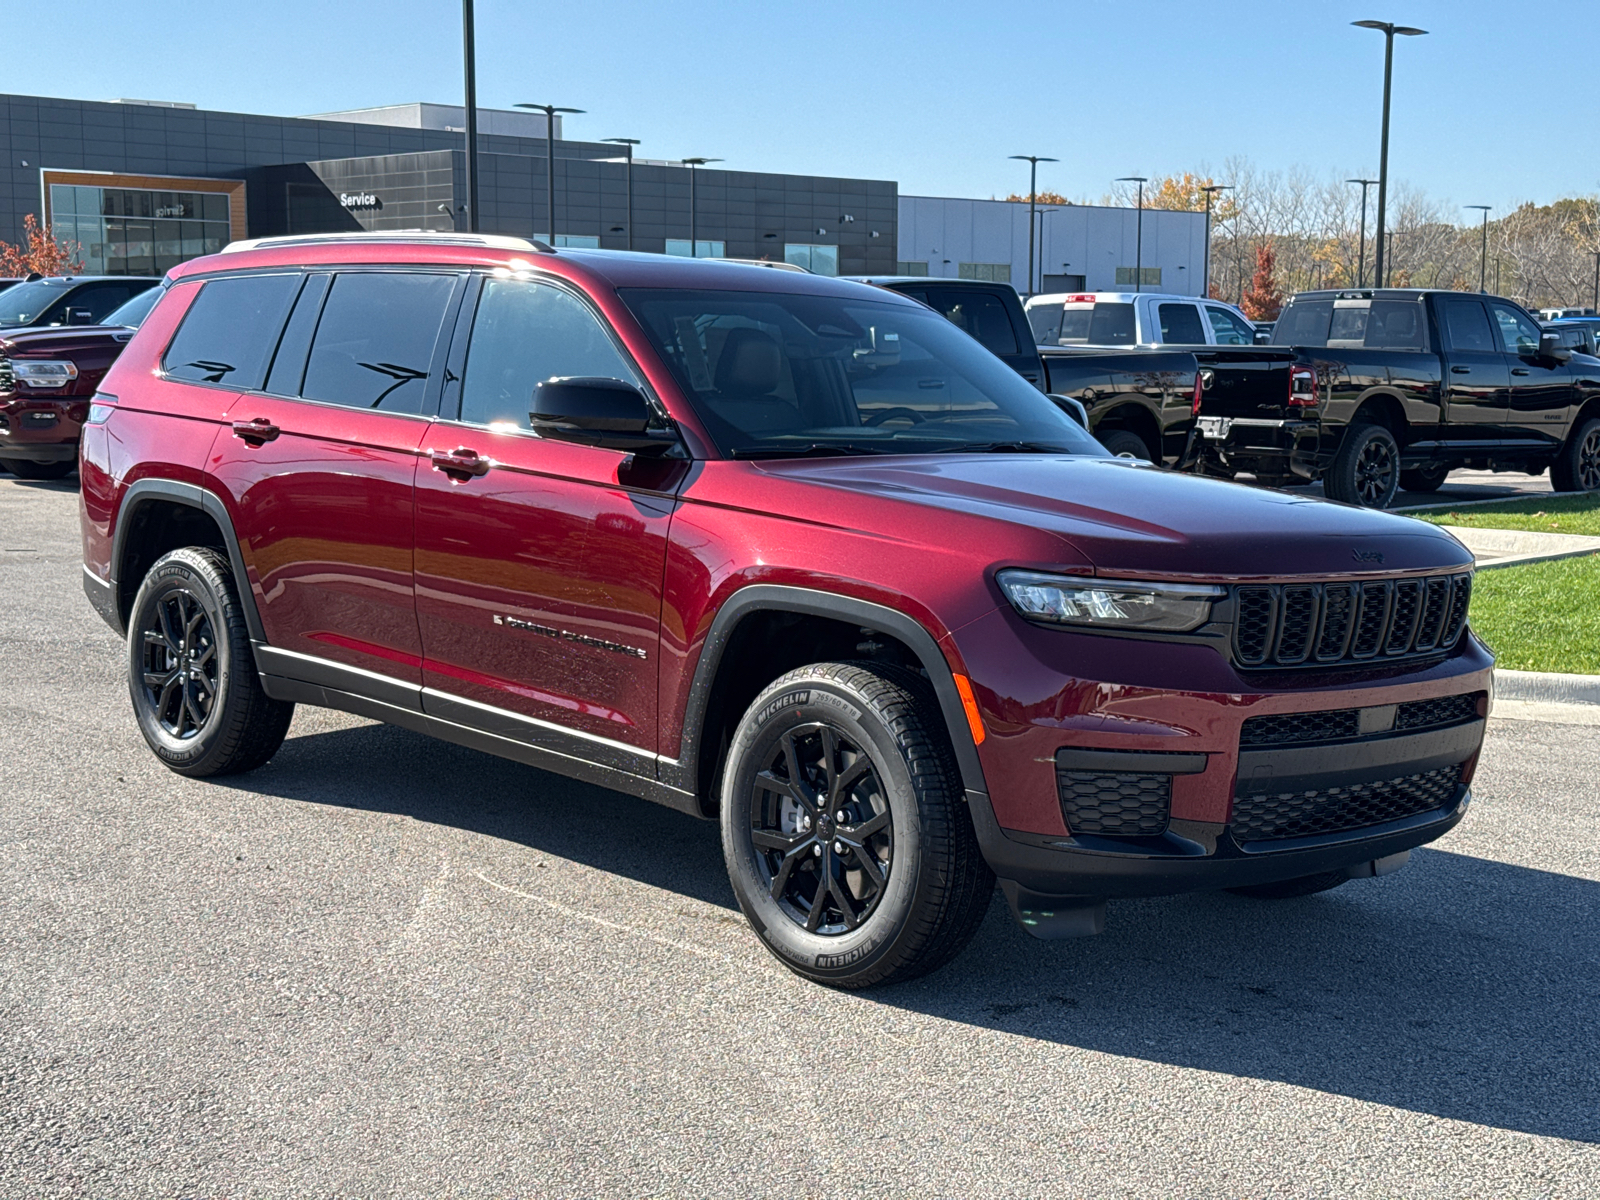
x=889, y=414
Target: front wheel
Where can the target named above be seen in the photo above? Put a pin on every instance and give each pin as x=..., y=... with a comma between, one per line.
x=27, y=468
x=191, y=674
x=1577, y=467
x=1124, y=443
x=1366, y=469
x=1424, y=479
x=845, y=830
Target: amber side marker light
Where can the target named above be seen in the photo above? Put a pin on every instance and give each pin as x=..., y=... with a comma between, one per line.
x=969, y=702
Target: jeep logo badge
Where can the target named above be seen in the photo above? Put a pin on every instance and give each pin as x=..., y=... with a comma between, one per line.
x=1369, y=556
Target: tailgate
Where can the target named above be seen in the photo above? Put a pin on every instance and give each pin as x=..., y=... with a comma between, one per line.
x=1246, y=382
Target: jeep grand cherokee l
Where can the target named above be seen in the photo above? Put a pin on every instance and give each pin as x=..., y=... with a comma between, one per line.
x=788, y=552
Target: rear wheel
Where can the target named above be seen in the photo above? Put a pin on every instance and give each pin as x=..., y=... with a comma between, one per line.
x=1424, y=479
x=1124, y=443
x=844, y=828
x=1288, y=889
x=1577, y=467
x=191, y=674
x=27, y=468
x=1366, y=470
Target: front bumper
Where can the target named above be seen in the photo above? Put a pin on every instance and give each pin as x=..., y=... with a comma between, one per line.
x=1262, y=447
x=41, y=430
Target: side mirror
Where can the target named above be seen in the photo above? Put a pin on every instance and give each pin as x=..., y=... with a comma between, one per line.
x=80, y=316
x=1263, y=337
x=1073, y=408
x=1550, y=347
x=608, y=413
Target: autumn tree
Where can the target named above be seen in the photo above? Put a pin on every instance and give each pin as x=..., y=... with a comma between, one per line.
x=39, y=253
x=1041, y=197
x=1262, y=300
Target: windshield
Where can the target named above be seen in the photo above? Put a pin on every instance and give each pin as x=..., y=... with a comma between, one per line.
x=22, y=304
x=775, y=375
x=133, y=312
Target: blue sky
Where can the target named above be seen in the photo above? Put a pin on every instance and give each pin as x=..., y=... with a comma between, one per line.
x=1490, y=108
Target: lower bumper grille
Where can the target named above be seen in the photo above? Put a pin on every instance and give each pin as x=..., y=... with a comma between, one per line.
x=1274, y=815
x=1115, y=803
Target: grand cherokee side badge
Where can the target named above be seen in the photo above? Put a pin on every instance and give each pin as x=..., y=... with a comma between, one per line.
x=1371, y=556
x=567, y=635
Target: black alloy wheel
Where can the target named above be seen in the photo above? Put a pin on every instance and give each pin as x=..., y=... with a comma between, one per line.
x=1588, y=473
x=822, y=829
x=180, y=664
x=1375, y=472
x=1424, y=479
x=1366, y=469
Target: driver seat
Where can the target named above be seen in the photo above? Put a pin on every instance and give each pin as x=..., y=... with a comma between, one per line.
x=748, y=372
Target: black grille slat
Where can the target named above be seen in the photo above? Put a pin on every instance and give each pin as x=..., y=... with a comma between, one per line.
x=1277, y=729
x=1327, y=624
x=1372, y=620
x=1403, y=619
x=1338, y=606
x=1297, y=623
x=1253, y=623
x=1273, y=816
x=1115, y=803
x=8, y=379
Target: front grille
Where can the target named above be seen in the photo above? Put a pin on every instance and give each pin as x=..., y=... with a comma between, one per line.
x=1345, y=624
x=1276, y=815
x=1344, y=724
x=8, y=378
x=1115, y=803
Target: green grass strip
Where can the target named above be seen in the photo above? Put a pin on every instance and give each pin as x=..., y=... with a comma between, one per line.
x=1541, y=616
x=1544, y=514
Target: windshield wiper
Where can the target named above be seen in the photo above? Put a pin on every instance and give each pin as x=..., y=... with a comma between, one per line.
x=1013, y=447
x=812, y=450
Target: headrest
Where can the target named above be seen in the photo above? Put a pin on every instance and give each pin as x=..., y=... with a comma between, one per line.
x=750, y=365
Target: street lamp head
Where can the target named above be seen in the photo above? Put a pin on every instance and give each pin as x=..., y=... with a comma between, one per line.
x=1484, y=207
x=1409, y=31
x=622, y=141
x=548, y=108
x=1362, y=182
x=1217, y=187
x=1390, y=28
x=698, y=162
x=1132, y=179
x=1034, y=158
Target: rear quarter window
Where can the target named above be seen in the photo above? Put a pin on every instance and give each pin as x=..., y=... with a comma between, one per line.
x=1304, y=323
x=230, y=330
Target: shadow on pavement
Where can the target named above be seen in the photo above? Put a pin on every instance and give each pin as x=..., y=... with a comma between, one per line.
x=1460, y=987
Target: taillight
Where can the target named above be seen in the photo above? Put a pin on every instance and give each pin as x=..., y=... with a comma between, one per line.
x=1302, y=387
x=1199, y=391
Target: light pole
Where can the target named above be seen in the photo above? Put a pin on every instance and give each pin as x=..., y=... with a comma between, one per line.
x=1361, y=254
x=1138, y=237
x=469, y=59
x=1389, y=29
x=550, y=111
x=1483, y=258
x=1043, y=213
x=1033, y=161
x=1210, y=189
x=694, y=215
x=628, y=144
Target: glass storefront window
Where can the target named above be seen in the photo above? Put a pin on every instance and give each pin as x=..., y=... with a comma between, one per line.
x=679, y=247
x=819, y=260
x=128, y=231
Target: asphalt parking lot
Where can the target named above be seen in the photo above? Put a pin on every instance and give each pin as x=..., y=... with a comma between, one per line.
x=384, y=966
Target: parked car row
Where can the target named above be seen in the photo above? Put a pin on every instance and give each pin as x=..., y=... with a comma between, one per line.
x=790, y=553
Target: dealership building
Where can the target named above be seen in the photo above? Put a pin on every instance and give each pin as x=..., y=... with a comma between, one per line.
x=141, y=186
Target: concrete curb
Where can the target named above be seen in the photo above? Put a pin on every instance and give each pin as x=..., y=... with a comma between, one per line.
x=1547, y=687
x=1508, y=498
x=1507, y=547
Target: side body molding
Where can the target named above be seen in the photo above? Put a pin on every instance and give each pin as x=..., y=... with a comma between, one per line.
x=683, y=772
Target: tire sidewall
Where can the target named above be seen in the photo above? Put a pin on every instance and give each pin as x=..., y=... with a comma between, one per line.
x=1128, y=440
x=1572, y=457
x=782, y=707
x=180, y=570
x=1357, y=438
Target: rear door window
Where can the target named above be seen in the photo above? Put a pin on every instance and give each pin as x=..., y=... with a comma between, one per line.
x=230, y=330
x=981, y=314
x=1045, y=320
x=375, y=342
x=1519, y=335
x=1304, y=324
x=1395, y=325
x=1108, y=325
x=1180, y=323
x=1231, y=330
x=1467, y=325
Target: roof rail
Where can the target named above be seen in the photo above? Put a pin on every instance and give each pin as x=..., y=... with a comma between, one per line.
x=426, y=237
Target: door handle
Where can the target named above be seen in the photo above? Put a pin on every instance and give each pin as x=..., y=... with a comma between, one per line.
x=1519, y=370
x=1461, y=370
x=460, y=461
x=255, y=431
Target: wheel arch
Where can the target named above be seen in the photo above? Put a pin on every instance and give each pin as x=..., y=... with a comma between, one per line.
x=158, y=515
x=713, y=706
x=1138, y=419
x=1382, y=408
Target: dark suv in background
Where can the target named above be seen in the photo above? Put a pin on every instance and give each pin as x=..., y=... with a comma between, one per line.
x=47, y=375
x=786, y=552
x=68, y=299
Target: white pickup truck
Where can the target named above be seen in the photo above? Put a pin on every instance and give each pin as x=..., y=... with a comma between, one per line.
x=1136, y=319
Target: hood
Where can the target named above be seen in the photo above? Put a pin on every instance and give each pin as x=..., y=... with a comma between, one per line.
x=63, y=339
x=1127, y=518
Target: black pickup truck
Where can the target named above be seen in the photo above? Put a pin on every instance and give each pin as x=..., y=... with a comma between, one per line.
x=1393, y=388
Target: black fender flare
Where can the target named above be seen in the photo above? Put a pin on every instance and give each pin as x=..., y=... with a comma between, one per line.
x=684, y=771
x=194, y=496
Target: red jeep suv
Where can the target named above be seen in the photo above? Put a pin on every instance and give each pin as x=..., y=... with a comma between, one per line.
x=792, y=553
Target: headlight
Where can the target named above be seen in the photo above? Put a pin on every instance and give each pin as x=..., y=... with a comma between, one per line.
x=1109, y=603
x=44, y=373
